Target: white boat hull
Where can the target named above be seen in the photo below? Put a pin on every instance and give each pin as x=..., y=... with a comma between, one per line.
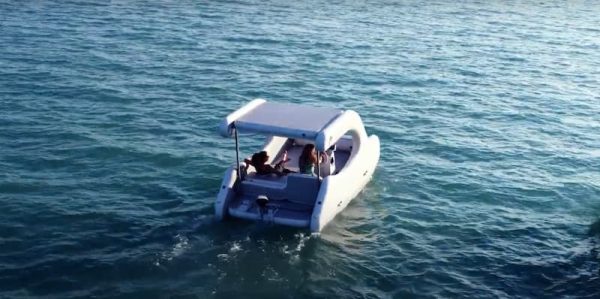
x=300, y=200
x=334, y=194
x=338, y=190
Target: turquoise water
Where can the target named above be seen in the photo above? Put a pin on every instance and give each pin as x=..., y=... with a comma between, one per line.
x=488, y=115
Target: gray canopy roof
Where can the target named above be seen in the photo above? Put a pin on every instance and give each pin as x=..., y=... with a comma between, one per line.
x=290, y=120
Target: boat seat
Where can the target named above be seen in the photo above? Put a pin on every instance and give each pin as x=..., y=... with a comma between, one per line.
x=294, y=187
x=265, y=179
x=302, y=188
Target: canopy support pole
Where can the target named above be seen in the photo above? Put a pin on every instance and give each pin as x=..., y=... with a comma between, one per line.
x=318, y=166
x=237, y=152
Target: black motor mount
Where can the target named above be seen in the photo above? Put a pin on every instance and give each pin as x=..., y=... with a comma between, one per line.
x=262, y=201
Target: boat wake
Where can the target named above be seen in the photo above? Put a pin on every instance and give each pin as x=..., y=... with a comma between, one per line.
x=294, y=251
x=182, y=244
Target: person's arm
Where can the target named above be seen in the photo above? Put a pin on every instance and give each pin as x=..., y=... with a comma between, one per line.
x=248, y=163
x=323, y=157
x=284, y=159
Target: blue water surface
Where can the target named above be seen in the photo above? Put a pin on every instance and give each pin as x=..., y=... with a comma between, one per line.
x=488, y=114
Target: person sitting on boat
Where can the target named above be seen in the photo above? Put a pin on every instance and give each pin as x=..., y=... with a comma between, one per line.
x=308, y=159
x=259, y=161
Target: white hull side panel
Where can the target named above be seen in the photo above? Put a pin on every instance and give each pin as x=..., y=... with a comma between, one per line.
x=226, y=193
x=338, y=190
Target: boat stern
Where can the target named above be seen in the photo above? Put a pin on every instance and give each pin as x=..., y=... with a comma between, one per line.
x=226, y=193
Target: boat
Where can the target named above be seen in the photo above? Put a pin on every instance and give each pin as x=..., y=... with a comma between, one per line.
x=303, y=200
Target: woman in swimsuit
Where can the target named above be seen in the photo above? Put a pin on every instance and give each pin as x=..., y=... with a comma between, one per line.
x=308, y=159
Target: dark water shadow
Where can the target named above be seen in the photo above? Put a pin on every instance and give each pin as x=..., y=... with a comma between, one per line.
x=594, y=229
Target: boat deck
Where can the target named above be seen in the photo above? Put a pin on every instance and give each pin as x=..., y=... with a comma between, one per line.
x=291, y=197
x=278, y=211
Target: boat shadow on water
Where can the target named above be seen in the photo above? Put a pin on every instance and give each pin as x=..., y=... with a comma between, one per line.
x=594, y=230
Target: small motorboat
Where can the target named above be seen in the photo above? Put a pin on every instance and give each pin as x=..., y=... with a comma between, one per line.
x=348, y=157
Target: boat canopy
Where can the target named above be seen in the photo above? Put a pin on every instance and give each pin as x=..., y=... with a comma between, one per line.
x=287, y=120
x=323, y=126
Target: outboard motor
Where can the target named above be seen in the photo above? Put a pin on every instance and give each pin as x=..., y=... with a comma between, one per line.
x=262, y=201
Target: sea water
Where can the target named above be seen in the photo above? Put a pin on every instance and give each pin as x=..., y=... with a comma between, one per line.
x=488, y=114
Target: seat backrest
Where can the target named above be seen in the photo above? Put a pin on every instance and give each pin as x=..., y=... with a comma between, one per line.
x=294, y=187
x=302, y=188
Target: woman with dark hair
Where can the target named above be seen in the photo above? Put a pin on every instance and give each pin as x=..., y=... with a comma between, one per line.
x=308, y=159
x=259, y=161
